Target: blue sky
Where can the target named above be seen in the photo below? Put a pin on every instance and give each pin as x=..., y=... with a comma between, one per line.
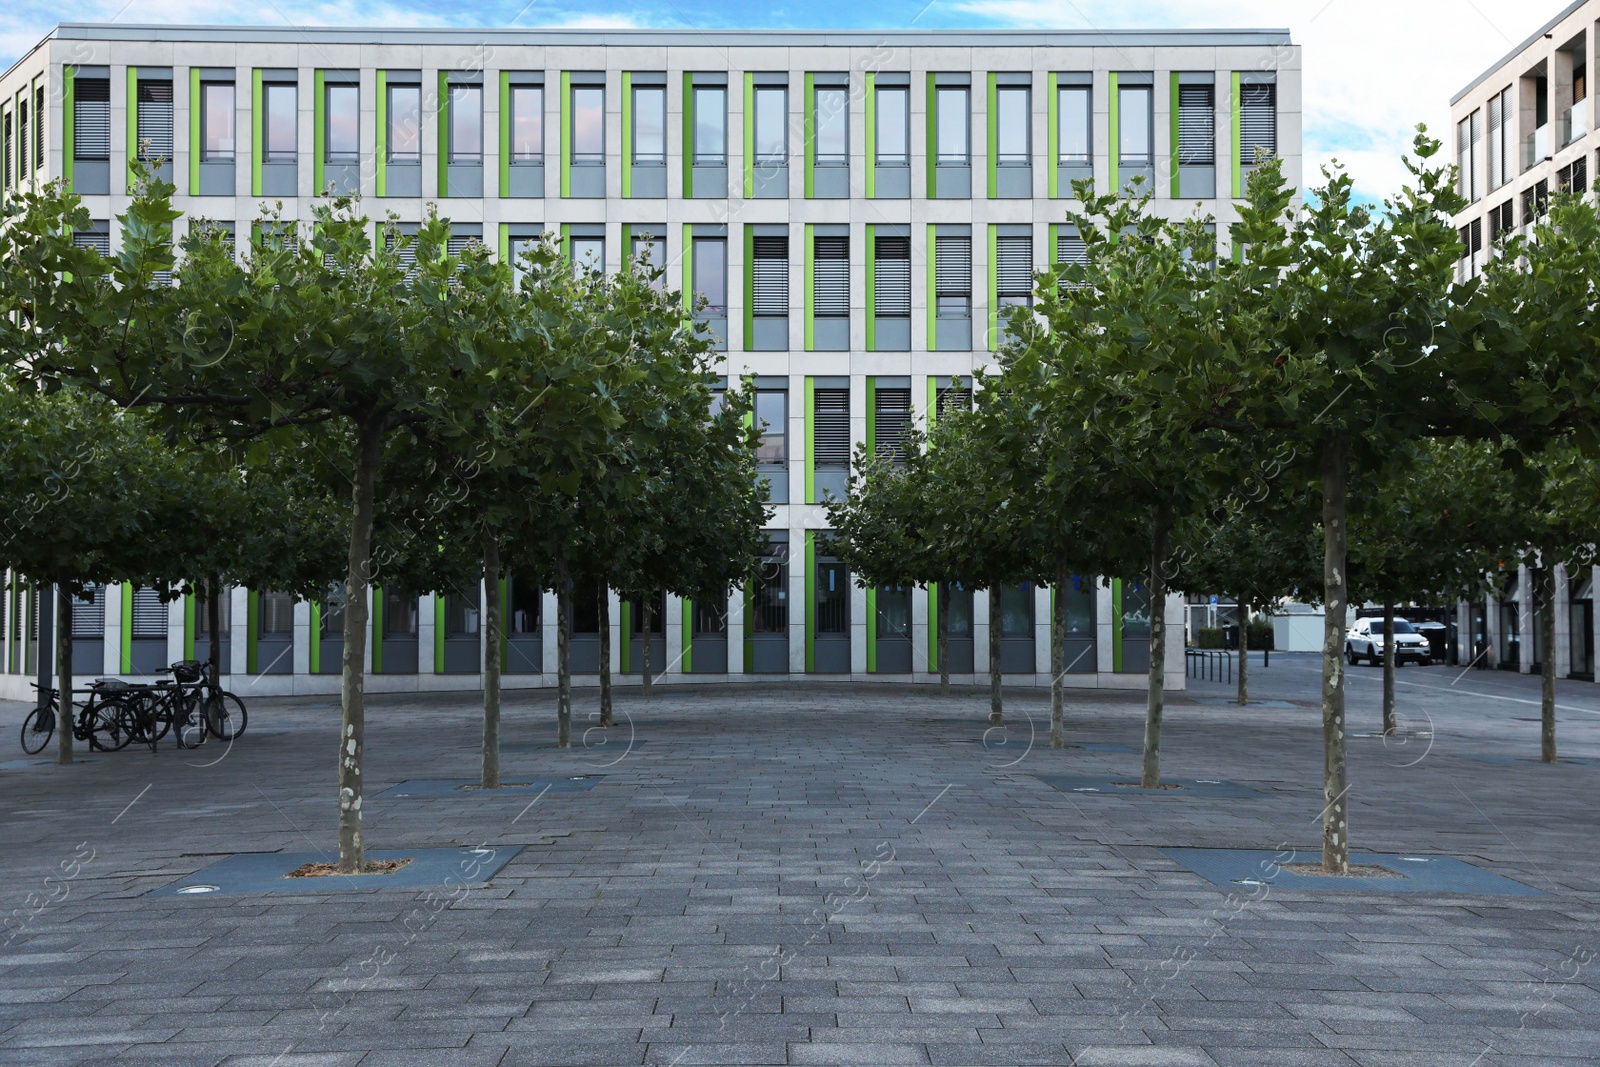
x=1373, y=68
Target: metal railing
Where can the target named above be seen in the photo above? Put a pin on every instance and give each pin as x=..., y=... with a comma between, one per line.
x=1209, y=664
x=1574, y=122
x=1536, y=147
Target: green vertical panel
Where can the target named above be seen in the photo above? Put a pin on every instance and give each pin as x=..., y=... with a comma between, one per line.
x=872, y=418
x=994, y=290
x=505, y=134
x=125, y=651
x=625, y=630
x=68, y=134
x=810, y=107
x=688, y=135
x=930, y=152
x=872, y=629
x=1177, y=186
x=688, y=636
x=1116, y=625
x=380, y=158
x=1052, y=136
x=505, y=242
x=932, y=294
x=749, y=620
x=811, y=591
x=810, y=262
x=872, y=300
x=252, y=631
x=749, y=287
x=687, y=259
x=1114, y=130
x=438, y=633
x=871, y=136
x=566, y=242
x=993, y=125
x=1052, y=250
x=256, y=139
x=933, y=400
x=319, y=130
x=377, y=629
x=811, y=439
x=188, y=626
x=133, y=128
x=933, y=626
x=566, y=133
x=749, y=135
x=444, y=135
x=194, y=131
x=627, y=134
x=316, y=638
x=1238, y=142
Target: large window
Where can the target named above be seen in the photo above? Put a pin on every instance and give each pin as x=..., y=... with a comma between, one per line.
x=893, y=126
x=1074, y=123
x=770, y=595
x=831, y=277
x=1499, y=139
x=588, y=252
x=830, y=429
x=527, y=124
x=952, y=271
x=461, y=613
x=833, y=597
x=279, y=127
x=650, y=125
x=588, y=124
x=1013, y=122
x=1197, y=125
x=1134, y=144
x=770, y=276
x=833, y=125
x=217, y=118
x=954, y=124
x=1258, y=123
x=1469, y=131
x=711, y=125
x=1016, y=610
x=466, y=124
x=711, y=275
x=771, y=124
x=891, y=278
x=772, y=419
x=399, y=614
x=404, y=136
x=1014, y=270
x=276, y=613
x=891, y=419
x=342, y=137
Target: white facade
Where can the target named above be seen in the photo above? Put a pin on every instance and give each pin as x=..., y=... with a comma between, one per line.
x=1004, y=184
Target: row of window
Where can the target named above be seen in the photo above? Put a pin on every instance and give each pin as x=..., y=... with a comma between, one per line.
x=1488, y=158
x=1480, y=235
x=822, y=130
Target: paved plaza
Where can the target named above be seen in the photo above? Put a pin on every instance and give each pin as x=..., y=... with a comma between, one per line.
x=807, y=873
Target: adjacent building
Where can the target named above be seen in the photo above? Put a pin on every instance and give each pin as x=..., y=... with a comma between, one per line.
x=1525, y=129
x=855, y=208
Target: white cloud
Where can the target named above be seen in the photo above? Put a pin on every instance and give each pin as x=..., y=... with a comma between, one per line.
x=1373, y=69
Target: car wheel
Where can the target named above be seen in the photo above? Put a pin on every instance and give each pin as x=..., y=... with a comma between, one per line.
x=1350, y=655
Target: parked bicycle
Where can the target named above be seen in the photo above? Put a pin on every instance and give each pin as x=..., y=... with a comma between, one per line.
x=101, y=720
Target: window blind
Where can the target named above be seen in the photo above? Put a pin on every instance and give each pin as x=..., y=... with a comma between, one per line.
x=770, y=274
x=91, y=118
x=149, y=613
x=1197, y=125
x=891, y=411
x=1014, y=266
x=830, y=427
x=891, y=281
x=99, y=240
x=952, y=398
x=952, y=265
x=89, y=613
x=155, y=120
x=1258, y=123
x=830, y=279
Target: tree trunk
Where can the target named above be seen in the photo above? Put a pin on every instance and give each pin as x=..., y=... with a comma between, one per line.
x=1335, y=778
x=1156, y=697
x=646, y=618
x=1058, y=655
x=996, y=709
x=1390, y=659
x=605, y=653
x=352, y=732
x=1244, y=652
x=213, y=627
x=491, y=661
x=63, y=637
x=563, y=654
x=1545, y=583
x=944, y=638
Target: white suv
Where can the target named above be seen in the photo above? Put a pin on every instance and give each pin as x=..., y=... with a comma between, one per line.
x=1365, y=640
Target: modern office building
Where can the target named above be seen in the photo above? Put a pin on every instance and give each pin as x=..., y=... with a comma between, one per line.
x=1524, y=130
x=856, y=208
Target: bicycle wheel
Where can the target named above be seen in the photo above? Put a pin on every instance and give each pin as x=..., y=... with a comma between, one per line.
x=162, y=713
x=110, y=725
x=37, y=729
x=190, y=728
x=225, y=715
x=132, y=715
